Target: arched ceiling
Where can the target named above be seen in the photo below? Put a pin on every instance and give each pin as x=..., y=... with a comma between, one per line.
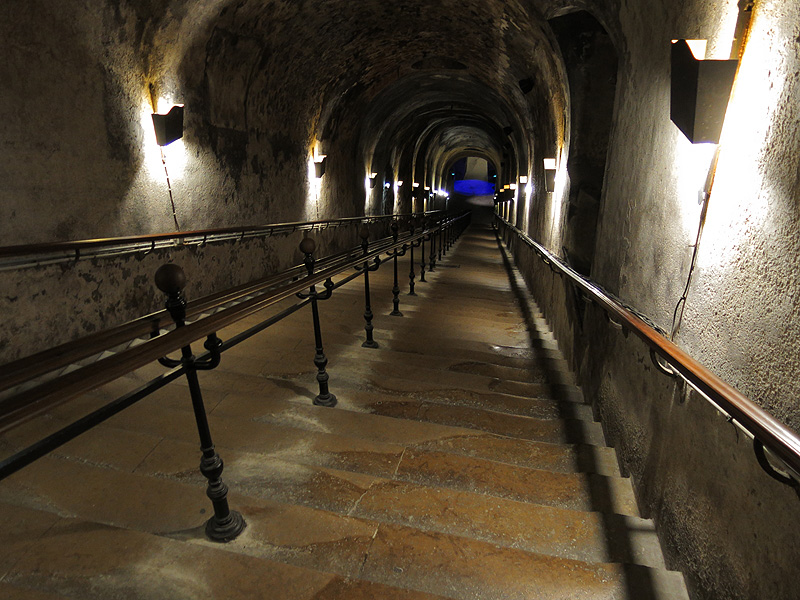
x=349, y=72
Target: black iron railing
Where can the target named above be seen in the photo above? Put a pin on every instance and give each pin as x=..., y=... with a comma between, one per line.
x=211, y=314
x=765, y=430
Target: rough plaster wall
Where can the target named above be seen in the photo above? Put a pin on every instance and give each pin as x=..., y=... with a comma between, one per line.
x=725, y=523
x=261, y=81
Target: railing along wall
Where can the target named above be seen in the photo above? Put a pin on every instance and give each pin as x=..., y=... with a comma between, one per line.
x=41, y=382
x=31, y=255
x=766, y=431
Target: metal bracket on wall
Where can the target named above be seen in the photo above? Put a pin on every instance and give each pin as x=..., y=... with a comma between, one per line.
x=769, y=469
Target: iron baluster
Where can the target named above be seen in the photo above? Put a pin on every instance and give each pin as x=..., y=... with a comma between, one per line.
x=441, y=231
x=324, y=398
x=432, y=257
x=225, y=524
x=368, y=327
x=411, y=274
x=396, y=289
x=422, y=253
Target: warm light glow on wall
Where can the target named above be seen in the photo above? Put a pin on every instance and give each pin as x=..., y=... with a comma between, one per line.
x=740, y=199
x=528, y=201
x=314, y=184
x=690, y=170
x=175, y=154
x=557, y=198
x=367, y=193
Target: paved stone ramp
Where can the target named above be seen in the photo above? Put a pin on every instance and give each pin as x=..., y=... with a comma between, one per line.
x=459, y=463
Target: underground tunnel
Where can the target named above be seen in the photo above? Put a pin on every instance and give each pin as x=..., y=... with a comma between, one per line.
x=575, y=125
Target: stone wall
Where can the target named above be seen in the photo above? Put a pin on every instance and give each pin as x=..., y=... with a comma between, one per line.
x=727, y=525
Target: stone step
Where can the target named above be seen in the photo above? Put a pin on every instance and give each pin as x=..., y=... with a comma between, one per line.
x=318, y=539
x=84, y=559
x=334, y=441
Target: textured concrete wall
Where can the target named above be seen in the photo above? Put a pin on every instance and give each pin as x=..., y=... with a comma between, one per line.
x=725, y=523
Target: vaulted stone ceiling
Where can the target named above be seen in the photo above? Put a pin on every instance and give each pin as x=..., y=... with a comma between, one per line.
x=372, y=76
x=405, y=86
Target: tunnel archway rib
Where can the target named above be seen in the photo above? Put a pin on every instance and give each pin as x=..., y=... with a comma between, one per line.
x=416, y=123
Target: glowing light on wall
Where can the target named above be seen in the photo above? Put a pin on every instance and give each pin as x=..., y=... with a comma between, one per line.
x=557, y=198
x=369, y=183
x=739, y=204
x=690, y=170
x=174, y=154
x=314, y=184
x=528, y=201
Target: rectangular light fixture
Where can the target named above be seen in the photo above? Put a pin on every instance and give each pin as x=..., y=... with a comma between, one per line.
x=169, y=127
x=699, y=93
x=550, y=174
x=319, y=165
x=523, y=179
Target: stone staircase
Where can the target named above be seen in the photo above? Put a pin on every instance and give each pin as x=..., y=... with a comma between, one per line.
x=459, y=463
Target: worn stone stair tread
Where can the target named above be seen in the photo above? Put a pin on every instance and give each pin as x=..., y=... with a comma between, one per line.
x=534, y=372
x=322, y=540
x=416, y=379
x=336, y=443
x=431, y=562
x=92, y=561
x=357, y=424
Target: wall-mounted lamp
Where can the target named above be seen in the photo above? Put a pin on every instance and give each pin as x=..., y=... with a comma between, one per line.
x=550, y=174
x=414, y=185
x=513, y=187
x=169, y=127
x=427, y=188
x=319, y=165
x=699, y=93
x=388, y=185
x=523, y=179
x=373, y=179
x=400, y=183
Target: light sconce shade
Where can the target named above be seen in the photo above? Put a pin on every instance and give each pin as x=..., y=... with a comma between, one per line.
x=512, y=187
x=415, y=185
x=319, y=165
x=427, y=188
x=373, y=179
x=388, y=185
x=400, y=183
x=169, y=127
x=699, y=93
x=550, y=174
x=523, y=179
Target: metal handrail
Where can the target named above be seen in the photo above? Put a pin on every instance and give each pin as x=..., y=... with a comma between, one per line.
x=23, y=255
x=54, y=392
x=774, y=435
x=52, y=359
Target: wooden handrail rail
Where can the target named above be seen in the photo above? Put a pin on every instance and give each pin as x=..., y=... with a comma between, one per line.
x=78, y=245
x=27, y=404
x=781, y=440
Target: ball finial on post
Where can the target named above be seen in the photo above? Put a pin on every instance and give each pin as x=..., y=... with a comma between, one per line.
x=170, y=279
x=308, y=245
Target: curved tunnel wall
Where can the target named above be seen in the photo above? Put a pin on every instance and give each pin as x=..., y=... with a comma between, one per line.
x=267, y=83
